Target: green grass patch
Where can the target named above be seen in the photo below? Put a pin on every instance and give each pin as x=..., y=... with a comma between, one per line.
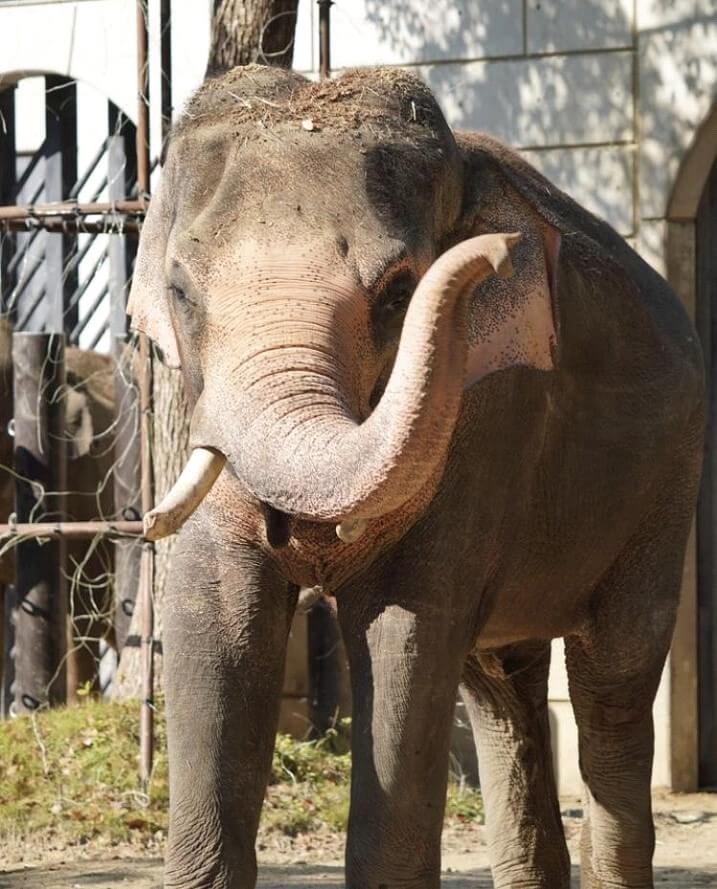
x=69, y=776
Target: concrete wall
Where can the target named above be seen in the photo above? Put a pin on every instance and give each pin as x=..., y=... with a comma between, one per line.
x=604, y=96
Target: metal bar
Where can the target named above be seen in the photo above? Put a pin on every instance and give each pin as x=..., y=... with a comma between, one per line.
x=100, y=188
x=21, y=254
x=325, y=38
x=38, y=191
x=60, y=175
x=81, y=252
x=111, y=225
x=82, y=289
x=142, y=98
x=20, y=257
x=82, y=181
x=71, y=209
x=146, y=732
x=40, y=605
x=25, y=318
x=24, y=281
x=87, y=317
x=146, y=723
x=127, y=485
x=99, y=334
x=117, y=248
x=70, y=530
x=8, y=653
x=8, y=190
x=152, y=167
x=37, y=2
x=30, y=168
x=166, y=57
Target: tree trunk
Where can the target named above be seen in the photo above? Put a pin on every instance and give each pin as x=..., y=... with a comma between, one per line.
x=243, y=31
x=246, y=31
x=170, y=450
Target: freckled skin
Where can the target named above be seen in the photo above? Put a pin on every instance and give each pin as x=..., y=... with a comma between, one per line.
x=276, y=267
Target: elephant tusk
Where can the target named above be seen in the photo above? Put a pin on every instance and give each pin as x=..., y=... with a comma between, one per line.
x=350, y=530
x=192, y=486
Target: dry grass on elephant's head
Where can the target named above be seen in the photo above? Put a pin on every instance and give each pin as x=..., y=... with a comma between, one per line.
x=375, y=101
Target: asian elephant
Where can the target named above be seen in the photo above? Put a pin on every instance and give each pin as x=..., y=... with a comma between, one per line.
x=425, y=379
x=90, y=416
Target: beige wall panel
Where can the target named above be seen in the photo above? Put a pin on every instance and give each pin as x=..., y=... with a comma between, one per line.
x=373, y=32
x=560, y=100
x=560, y=25
x=601, y=179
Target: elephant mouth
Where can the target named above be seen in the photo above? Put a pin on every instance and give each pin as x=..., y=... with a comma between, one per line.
x=196, y=481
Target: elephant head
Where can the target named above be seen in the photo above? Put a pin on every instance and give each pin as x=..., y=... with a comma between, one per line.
x=313, y=260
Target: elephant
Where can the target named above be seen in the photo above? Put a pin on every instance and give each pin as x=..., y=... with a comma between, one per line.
x=89, y=419
x=424, y=379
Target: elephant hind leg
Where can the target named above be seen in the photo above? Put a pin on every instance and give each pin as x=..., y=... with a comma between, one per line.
x=505, y=694
x=615, y=732
x=614, y=668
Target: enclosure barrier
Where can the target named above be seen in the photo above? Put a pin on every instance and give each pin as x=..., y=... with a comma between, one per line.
x=39, y=375
x=40, y=453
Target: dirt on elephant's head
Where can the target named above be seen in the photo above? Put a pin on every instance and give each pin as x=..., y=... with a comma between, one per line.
x=375, y=101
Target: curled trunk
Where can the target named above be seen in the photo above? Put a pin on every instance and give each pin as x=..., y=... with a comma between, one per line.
x=340, y=469
x=328, y=467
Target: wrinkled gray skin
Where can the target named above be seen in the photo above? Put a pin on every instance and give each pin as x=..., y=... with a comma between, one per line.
x=89, y=406
x=276, y=266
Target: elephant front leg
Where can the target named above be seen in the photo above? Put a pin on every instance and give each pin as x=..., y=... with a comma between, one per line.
x=226, y=621
x=405, y=668
x=506, y=694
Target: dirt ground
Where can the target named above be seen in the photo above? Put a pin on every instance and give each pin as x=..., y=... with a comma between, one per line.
x=685, y=856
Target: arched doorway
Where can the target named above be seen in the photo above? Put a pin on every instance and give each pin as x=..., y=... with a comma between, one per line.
x=691, y=264
x=706, y=318
x=62, y=140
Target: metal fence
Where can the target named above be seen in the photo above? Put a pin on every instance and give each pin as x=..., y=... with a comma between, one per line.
x=68, y=239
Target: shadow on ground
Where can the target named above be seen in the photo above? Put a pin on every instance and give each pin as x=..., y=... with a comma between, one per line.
x=147, y=874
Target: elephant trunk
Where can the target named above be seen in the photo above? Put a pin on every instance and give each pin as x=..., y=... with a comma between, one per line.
x=309, y=457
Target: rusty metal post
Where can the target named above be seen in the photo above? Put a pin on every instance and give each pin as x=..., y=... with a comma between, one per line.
x=143, y=163
x=146, y=727
x=60, y=152
x=40, y=607
x=146, y=724
x=127, y=489
x=127, y=441
x=325, y=38
x=323, y=636
x=71, y=530
x=166, y=56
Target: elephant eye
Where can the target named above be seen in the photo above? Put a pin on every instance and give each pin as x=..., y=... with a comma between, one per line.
x=179, y=296
x=398, y=292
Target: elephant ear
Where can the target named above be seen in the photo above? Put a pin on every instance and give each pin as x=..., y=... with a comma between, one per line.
x=514, y=320
x=148, y=303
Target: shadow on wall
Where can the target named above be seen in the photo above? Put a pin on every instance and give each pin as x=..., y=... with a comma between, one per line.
x=526, y=101
x=678, y=86
x=546, y=102
x=536, y=103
